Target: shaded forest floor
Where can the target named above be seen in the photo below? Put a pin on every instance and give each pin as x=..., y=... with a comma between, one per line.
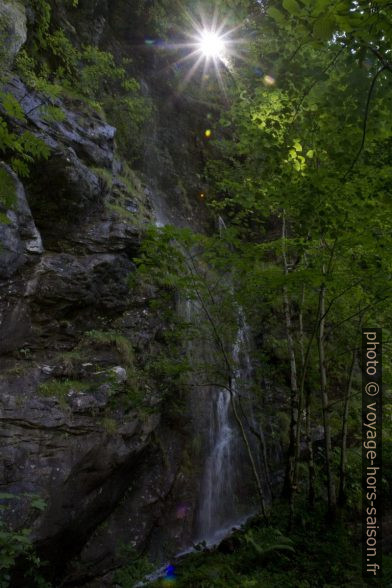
x=314, y=554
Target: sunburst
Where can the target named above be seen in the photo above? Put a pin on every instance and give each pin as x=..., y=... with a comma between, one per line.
x=211, y=46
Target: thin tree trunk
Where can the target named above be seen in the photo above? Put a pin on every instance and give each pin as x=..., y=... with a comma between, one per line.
x=308, y=401
x=309, y=447
x=343, y=450
x=293, y=400
x=325, y=406
x=301, y=327
x=289, y=487
x=222, y=350
x=312, y=475
x=300, y=391
x=250, y=454
x=260, y=437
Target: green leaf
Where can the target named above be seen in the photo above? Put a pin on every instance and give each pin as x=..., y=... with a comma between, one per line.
x=20, y=167
x=324, y=28
x=319, y=6
x=8, y=496
x=4, y=219
x=7, y=195
x=12, y=106
x=292, y=7
x=38, y=503
x=276, y=15
x=52, y=114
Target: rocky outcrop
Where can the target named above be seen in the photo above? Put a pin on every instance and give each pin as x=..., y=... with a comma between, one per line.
x=69, y=453
x=82, y=426
x=19, y=236
x=13, y=29
x=82, y=423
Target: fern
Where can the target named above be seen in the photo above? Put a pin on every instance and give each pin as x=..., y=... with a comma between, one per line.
x=22, y=149
x=15, y=545
x=267, y=541
x=11, y=106
x=7, y=192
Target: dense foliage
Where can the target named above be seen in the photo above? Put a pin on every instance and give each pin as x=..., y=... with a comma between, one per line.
x=299, y=172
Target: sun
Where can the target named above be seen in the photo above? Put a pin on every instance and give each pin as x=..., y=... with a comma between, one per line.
x=211, y=44
x=210, y=47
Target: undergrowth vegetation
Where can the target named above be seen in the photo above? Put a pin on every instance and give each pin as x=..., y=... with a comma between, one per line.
x=16, y=544
x=314, y=554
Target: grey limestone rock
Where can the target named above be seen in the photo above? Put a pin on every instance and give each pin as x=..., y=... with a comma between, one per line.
x=13, y=29
x=19, y=237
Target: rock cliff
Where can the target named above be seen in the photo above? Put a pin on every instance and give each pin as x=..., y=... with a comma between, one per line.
x=79, y=426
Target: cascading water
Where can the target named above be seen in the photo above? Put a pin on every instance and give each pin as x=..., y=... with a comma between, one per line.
x=227, y=492
x=223, y=499
x=218, y=497
x=221, y=225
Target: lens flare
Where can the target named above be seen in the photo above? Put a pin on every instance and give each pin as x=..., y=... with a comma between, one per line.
x=269, y=80
x=211, y=44
x=170, y=577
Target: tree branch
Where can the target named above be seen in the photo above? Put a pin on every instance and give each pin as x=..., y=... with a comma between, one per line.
x=365, y=120
x=315, y=82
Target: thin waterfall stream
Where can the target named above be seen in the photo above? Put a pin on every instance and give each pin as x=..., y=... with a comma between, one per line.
x=227, y=489
x=224, y=494
x=218, y=498
x=226, y=471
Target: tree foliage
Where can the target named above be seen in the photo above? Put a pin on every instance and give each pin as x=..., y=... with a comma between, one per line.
x=307, y=144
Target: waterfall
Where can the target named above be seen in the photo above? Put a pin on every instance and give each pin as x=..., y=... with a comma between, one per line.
x=227, y=493
x=224, y=497
x=221, y=225
x=218, y=497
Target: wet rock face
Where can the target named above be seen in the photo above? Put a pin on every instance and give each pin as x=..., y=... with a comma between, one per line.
x=63, y=451
x=65, y=281
x=70, y=432
x=89, y=136
x=13, y=29
x=19, y=236
x=80, y=427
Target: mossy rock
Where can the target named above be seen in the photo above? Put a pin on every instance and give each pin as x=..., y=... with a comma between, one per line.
x=13, y=30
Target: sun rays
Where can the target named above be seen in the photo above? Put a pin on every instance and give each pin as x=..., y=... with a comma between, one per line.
x=208, y=49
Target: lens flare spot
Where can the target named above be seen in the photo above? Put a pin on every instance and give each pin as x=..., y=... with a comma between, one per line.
x=170, y=578
x=269, y=80
x=208, y=133
x=181, y=511
x=202, y=195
